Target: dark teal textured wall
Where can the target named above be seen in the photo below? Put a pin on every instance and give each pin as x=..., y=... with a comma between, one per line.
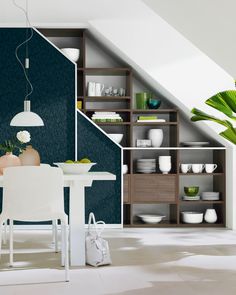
x=104, y=197
x=53, y=78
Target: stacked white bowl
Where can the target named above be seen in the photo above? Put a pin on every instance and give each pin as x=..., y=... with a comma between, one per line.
x=146, y=165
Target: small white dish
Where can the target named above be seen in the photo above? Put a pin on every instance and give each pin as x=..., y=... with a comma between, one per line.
x=117, y=137
x=71, y=53
x=151, y=218
x=75, y=168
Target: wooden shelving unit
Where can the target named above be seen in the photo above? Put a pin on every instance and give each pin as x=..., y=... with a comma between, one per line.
x=145, y=189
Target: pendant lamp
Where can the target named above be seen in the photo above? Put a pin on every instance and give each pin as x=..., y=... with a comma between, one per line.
x=26, y=118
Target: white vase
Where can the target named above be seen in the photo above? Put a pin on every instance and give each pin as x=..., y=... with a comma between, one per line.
x=156, y=137
x=165, y=164
x=210, y=216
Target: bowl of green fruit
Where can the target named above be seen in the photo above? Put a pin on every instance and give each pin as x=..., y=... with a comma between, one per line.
x=76, y=167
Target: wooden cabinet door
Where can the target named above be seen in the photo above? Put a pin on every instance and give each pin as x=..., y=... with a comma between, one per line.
x=154, y=188
x=126, y=188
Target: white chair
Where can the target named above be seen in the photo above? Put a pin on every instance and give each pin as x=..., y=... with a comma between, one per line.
x=54, y=224
x=34, y=194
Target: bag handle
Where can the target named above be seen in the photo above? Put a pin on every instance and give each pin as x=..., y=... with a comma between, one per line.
x=93, y=221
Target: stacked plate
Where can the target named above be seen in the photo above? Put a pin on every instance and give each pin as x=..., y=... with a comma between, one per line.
x=146, y=165
x=193, y=198
x=210, y=196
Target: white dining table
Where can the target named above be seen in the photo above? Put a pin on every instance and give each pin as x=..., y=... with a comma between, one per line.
x=77, y=184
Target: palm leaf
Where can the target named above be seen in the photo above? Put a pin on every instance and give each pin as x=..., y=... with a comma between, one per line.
x=200, y=116
x=229, y=134
x=224, y=102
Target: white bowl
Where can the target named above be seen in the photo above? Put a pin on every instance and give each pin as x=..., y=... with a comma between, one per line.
x=192, y=217
x=75, y=168
x=71, y=53
x=117, y=137
x=124, y=169
x=151, y=218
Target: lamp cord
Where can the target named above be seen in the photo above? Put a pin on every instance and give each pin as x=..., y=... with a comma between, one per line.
x=26, y=66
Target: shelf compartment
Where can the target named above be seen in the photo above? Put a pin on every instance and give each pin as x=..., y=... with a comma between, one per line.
x=117, y=128
x=107, y=98
x=151, y=111
x=170, y=133
x=153, y=188
x=167, y=210
x=202, y=207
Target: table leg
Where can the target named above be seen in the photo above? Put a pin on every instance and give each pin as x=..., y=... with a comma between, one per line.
x=77, y=231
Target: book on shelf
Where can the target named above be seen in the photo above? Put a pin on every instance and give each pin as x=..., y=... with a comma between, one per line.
x=150, y=121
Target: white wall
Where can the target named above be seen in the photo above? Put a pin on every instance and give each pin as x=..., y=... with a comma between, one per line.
x=209, y=24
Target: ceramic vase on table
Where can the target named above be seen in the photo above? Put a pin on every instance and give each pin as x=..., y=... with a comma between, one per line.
x=29, y=157
x=156, y=137
x=9, y=160
x=210, y=216
x=165, y=164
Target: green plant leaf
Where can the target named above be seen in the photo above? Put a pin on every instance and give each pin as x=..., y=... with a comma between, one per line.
x=224, y=102
x=201, y=116
x=229, y=134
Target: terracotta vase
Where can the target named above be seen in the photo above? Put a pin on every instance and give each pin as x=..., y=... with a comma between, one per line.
x=9, y=160
x=29, y=157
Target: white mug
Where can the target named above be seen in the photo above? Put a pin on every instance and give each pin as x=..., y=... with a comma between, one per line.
x=99, y=89
x=197, y=168
x=185, y=168
x=209, y=168
x=91, y=88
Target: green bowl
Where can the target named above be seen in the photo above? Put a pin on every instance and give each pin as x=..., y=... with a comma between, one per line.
x=191, y=191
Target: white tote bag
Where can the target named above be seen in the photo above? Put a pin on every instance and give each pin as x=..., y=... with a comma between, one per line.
x=97, y=249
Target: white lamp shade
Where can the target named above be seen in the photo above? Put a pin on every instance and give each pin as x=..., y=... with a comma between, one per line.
x=27, y=118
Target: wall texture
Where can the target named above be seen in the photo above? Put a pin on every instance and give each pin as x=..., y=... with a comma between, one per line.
x=103, y=197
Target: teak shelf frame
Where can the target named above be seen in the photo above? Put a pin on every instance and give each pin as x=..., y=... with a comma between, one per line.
x=139, y=188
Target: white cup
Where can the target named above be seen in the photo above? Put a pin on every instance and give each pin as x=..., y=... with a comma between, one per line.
x=185, y=168
x=91, y=88
x=99, y=89
x=197, y=168
x=209, y=168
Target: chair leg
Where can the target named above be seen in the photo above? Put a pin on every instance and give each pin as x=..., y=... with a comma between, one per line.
x=62, y=245
x=55, y=234
x=5, y=233
x=1, y=225
x=11, y=242
x=66, y=252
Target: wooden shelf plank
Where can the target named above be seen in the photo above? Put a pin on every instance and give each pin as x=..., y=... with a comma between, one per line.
x=138, y=111
x=109, y=110
x=202, y=202
x=174, y=148
x=111, y=123
x=119, y=71
x=202, y=174
x=104, y=98
x=201, y=225
x=154, y=123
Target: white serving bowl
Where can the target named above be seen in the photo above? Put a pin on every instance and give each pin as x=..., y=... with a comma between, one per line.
x=151, y=218
x=71, y=53
x=192, y=217
x=117, y=137
x=75, y=168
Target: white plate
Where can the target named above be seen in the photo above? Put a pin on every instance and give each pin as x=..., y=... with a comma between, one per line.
x=195, y=143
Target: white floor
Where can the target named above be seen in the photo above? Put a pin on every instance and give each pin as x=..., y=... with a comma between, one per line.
x=145, y=261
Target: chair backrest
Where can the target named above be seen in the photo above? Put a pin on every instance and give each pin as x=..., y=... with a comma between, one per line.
x=32, y=193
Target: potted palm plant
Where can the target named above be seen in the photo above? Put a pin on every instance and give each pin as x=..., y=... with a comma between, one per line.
x=224, y=102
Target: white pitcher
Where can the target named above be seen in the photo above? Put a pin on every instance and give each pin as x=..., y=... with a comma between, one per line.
x=91, y=89
x=99, y=89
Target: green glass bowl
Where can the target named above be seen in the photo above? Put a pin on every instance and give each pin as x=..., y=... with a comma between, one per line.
x=191, y=191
